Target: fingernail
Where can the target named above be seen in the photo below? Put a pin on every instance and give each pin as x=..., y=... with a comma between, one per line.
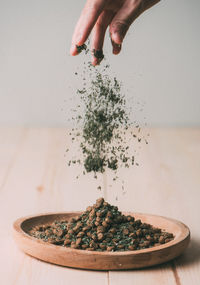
x=116, y=47
x=116, y=50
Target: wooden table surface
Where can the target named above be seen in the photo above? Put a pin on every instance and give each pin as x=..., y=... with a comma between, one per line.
x=35, y=178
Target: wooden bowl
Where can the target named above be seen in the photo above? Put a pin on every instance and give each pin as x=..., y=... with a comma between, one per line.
x=101, y=260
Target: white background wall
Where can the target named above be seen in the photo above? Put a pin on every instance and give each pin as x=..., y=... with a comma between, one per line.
x=159, y=62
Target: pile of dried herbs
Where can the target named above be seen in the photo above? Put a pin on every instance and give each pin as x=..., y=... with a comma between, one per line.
x=102, y=228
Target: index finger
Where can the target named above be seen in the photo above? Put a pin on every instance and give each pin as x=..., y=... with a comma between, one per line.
x=86, y=22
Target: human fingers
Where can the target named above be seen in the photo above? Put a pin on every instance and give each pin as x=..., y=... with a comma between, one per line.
x=98, y=35
x=89, y=15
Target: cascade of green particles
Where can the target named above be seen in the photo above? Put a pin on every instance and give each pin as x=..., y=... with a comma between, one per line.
x=104, y=125
x=104, y=121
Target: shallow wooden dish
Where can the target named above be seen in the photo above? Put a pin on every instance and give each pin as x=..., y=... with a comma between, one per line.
x=101, y=260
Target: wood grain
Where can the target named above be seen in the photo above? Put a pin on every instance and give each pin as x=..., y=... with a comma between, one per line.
x=39, y=162
x=168, y=179
x=166, y=183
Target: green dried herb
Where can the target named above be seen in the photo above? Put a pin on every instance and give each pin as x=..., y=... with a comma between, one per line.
x=102, y=228
x=103, y=118
x=98, y=54
x=81, y=48
x=104, y=124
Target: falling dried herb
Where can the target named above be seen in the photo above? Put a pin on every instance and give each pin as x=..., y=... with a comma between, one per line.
x=103, y=132
x=105, y=123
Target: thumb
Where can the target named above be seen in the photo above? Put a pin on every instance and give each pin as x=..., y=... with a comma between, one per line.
x=123, y=19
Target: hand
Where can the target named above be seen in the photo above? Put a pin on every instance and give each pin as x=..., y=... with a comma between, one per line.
x=97, y=15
